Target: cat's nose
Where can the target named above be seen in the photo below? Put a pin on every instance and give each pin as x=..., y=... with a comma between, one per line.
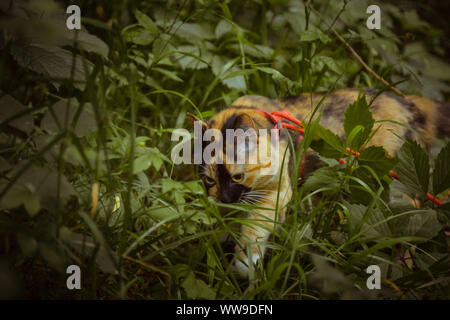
x=225, y=197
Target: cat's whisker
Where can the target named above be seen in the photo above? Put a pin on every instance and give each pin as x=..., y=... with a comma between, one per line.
x=257, y=195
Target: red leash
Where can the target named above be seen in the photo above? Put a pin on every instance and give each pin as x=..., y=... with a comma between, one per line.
x=279, y=118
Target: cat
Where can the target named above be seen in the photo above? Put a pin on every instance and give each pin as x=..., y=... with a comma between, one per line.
x=232, y=183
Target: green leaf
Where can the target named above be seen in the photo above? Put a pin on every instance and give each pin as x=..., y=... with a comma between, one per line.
x=367, y=221
x=142, y=163
x=329, y=62
x=327, y=144
x=53, y=62
x=413, y=168
x=137, y=34
x=326, y=177
x=87, y=42
x=169, y=185
x=194, y=186
x=169, y=74
x=193, y=31
x=378, y=159
x=441, y=173
x=423, y=224
x=365, y=193
x=311, y=35
x=358, y=114
x=196, y=288
x=146, y=22
x=222, y=28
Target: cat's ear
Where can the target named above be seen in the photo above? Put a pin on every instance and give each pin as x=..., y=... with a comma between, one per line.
x=244, y=121
x=194, y=118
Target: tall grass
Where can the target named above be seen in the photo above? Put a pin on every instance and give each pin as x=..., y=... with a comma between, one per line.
x=154, y=233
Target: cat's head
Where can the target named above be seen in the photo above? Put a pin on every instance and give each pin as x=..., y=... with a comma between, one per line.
x=240, y=155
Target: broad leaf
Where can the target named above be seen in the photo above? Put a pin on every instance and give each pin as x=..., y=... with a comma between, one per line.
x=53, y=62
x=377, y=159
x=413, y=168
x=369, y=222
x=146, y=22
x=358, y=116
x=441, y=173
x=327, y=144
x=423, y=224
x=137, y=34
x=326, y=177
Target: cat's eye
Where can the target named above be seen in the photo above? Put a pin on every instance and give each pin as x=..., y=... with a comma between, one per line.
x=210, y=181
x=237, y=177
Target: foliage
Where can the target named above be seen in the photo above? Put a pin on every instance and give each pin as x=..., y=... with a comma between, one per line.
x=86, y=175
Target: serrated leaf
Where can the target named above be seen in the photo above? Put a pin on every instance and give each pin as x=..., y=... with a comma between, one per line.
x=369, y=222
x=358, y=114
x=51, y=30
x=377, y=159
x=88, y=42
x=53, y=62
x=441, y=172
x=326, y=177
x=327, y=144
x=423, y=224
x=363, y=193
x=413, y=168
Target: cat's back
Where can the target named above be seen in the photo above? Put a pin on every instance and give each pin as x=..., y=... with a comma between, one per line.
x=427, y=118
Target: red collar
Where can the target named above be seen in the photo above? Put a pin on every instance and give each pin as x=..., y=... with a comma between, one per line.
x=278, y=118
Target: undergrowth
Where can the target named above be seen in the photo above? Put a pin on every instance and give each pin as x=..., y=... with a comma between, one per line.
x=87, y=179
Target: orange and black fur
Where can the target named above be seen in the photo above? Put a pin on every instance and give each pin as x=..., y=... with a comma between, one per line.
x=231, y=183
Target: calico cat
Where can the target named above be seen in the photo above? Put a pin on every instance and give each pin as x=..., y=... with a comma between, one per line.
x=232, y=183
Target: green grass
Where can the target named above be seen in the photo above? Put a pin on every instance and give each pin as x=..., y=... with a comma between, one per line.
x=154, y=233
